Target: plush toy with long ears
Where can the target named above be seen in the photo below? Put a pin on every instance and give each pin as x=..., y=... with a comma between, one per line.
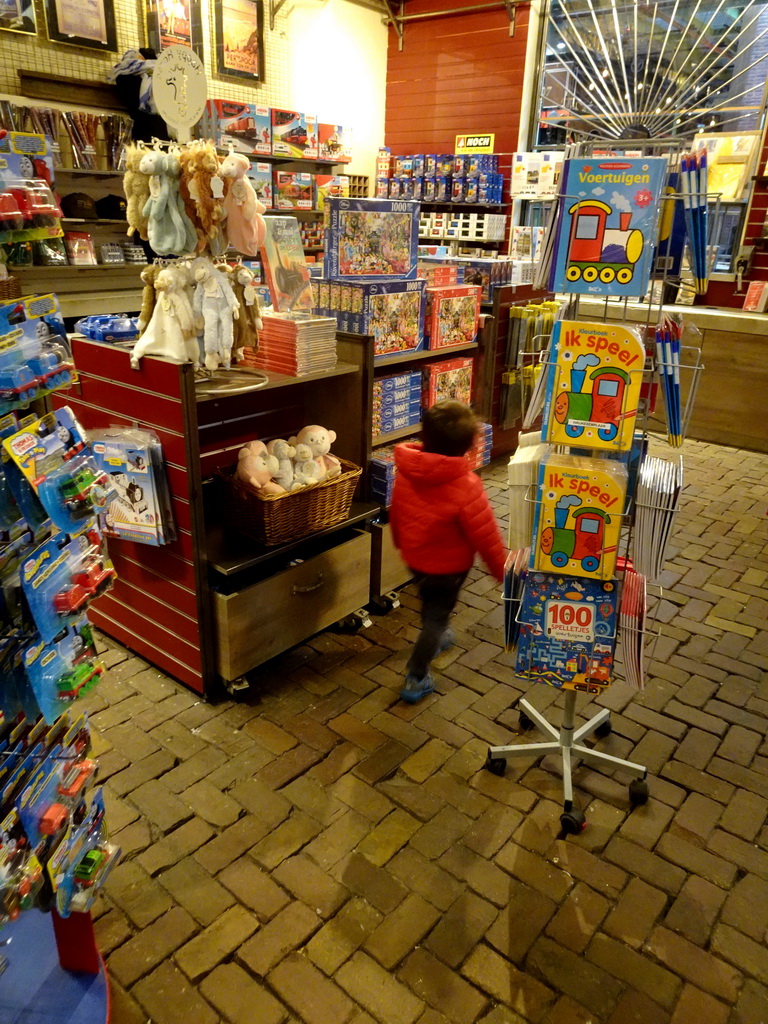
x=245, y=223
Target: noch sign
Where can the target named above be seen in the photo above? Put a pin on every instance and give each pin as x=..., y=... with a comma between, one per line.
x=475, y=143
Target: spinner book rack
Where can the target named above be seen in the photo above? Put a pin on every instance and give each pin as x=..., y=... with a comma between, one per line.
x=568, y=741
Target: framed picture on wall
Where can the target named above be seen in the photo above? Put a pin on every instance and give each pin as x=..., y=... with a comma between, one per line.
x=174, y=21
x=88, y=23
x=18, y=16
x=239, y=28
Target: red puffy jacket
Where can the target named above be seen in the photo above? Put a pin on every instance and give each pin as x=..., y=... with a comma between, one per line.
x=440, y=514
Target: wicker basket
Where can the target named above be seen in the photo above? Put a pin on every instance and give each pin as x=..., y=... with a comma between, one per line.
x=10, y=288
x=279, y=518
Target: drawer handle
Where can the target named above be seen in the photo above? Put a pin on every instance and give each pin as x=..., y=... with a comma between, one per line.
x=308, y=589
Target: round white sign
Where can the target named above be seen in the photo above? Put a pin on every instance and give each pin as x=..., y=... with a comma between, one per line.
x=179, y=87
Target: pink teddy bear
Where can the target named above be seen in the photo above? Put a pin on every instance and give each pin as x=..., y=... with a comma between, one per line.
x=319, y=441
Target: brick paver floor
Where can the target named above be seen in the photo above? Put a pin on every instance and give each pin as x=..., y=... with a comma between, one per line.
x=323, y=853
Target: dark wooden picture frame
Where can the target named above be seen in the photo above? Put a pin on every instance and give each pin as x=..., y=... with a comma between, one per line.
x=239, y=34
x=61, y=15
x=162, y=31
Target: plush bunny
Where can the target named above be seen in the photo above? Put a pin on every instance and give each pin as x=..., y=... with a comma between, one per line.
x=171, y=331
x=284, y=453
x=319, y=440
x=162, y=232
x=136, y=188
x=187, y=162
x=306, y=470
x=148, y=276
x=248, y=324
x=184, y=227
x=255, y=466
x=215, y=308
x=245, y=223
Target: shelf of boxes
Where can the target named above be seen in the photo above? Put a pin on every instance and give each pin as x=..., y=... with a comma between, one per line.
x=463, y=227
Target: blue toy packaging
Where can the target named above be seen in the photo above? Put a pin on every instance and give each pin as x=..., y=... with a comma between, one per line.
x=35, y=356
x=371, y=238
x=444, y=164
x=294, y=134
x=382, y=188
x=63, y=669
x=443, y=188
x=395, y=189
x=246, y=127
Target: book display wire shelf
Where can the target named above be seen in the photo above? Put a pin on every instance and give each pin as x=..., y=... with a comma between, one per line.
x=568, y=741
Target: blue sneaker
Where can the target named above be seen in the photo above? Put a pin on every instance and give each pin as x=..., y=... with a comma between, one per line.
x=415, y=689
x=448, y=640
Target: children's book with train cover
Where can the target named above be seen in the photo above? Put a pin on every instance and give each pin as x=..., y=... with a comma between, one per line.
x=577, y=518
x=593, y=385
x=284, y=265
x=607, y=225
x=567, y=632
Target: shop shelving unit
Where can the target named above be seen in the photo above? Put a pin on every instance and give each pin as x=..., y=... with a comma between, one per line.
x=195, y=608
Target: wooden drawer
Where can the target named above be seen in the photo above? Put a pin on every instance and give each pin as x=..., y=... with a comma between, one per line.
x=267, y=618
x=388, y=570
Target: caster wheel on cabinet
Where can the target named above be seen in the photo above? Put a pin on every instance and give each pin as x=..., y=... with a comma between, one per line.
x=638, y=792
x=572, y=822
x=603, y=730
x=496, y=765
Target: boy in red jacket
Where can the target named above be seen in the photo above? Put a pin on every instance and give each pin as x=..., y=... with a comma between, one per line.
x=441, y=517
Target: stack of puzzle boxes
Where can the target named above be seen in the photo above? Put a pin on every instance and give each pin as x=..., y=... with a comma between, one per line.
x=396, y=402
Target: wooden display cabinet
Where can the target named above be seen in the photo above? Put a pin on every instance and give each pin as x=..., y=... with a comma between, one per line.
x=211, y=606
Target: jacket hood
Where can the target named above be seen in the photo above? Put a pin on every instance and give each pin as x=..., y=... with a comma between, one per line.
x=429, y=468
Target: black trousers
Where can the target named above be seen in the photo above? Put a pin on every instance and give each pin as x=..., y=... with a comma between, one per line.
x=438, y=594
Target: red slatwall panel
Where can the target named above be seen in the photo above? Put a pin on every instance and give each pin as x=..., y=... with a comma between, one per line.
x=153, y=608
x=455, y=74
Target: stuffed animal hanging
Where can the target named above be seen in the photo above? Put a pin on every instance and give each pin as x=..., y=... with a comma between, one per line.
x=206, y=188
x=187, y=159
x=184, y=226
x=245, y=223
x=171, y=333
x=148, y=276
x=161, y=231
x=136, y=188
x=248, y=323
x=215, y=308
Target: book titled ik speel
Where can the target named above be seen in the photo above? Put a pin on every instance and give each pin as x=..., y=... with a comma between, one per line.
x=371, y=238
x=607, y=225
x=578, y=514
x=593, y=385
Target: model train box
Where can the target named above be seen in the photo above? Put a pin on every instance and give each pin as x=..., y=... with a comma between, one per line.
x=246, y=127
x=450, y=378
x=294, y=190
x=371, y=238
x=326, y=185
x=604, y=241
x=567, y=632
x=334, y=143
x=578, y=515
x=260, y=176
x=294, y=134
x=453, y=314
x=593, y=385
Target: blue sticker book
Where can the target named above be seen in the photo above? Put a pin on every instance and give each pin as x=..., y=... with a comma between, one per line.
x=567, y=631
x=607, y=226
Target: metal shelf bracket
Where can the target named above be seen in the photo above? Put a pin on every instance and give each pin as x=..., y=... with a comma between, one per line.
x=397, y=21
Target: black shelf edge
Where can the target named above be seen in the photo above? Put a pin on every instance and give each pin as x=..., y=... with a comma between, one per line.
x=229, y=555
x=379, y=440
x=386, y=362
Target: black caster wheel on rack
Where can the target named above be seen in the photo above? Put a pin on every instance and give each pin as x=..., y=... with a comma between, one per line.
x=573, y=822
x=638, y=792
x=237, y=689
x=603, y=730
x=356, y=621
x=495, y=765
x=526, y=723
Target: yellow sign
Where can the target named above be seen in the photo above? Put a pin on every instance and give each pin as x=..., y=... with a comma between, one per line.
x=475, y=143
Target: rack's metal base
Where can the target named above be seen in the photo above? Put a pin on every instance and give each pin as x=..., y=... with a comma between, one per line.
x=567, y=742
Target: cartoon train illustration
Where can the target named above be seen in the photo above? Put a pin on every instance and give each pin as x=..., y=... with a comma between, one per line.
x=576, y=409
x=596, y=251
x=582, y=542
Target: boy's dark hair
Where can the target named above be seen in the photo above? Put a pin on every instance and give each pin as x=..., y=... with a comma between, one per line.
x=448, y=428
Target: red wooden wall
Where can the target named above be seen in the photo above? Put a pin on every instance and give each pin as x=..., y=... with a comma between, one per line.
x=461, y=73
